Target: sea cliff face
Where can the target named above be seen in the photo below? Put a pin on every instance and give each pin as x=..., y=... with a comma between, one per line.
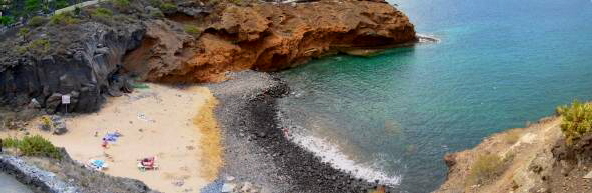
x=195, y=43
x=266, y=37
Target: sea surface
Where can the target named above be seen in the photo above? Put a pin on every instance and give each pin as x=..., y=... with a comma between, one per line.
x=9, y=184
x=499, y=65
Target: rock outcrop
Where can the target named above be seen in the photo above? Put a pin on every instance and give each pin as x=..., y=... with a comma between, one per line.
x=265, y=37
x=532, y=159
x=81, y=63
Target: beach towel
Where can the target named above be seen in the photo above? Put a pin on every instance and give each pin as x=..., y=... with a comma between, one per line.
x=112, y=136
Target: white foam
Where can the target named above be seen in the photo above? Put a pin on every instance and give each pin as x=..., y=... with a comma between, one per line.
x=424, y=38
x=331, y=154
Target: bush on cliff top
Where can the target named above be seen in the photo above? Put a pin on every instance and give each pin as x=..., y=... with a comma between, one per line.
x=485, y=168
x=63, y=19
x=33, y=146
x=102, y=15
x=122, y=5
x=576, y=120
x=36, y=21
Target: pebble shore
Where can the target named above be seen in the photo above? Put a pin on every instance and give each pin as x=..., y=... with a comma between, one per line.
x=256, y=150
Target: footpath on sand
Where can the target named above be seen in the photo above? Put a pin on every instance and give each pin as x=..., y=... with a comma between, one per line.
x=160, y=121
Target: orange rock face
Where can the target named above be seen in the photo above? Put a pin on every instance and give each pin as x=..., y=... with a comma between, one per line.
x=265, y=37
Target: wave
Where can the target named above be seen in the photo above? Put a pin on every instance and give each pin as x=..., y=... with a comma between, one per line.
x=331, y=154
x=424, y=38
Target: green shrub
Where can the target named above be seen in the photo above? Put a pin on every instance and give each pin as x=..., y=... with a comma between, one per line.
x=36, y=21
x=10, y=142
x=102, y=15
x=576, y=120
x=21, y=49
x=485, y=168
x=103, y=11
x=156, y=13
x=32, y=5
x=193, y=30
x=168, y=7
x=61, y=4
x=6, y=20
x=155, y=3
x=63, y=19
x=33, y=146
x=121, y=4
x=39, y=46
x=23, y=32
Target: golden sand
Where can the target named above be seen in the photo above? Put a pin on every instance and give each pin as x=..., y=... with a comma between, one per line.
x=160, y=121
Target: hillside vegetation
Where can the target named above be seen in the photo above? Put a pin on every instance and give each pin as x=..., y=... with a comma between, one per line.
x=576, y=120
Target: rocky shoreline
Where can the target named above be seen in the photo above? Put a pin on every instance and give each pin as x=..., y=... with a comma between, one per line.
x=257, y=150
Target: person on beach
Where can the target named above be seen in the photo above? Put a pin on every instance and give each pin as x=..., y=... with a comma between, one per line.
x=1, y=145
x=105, y=143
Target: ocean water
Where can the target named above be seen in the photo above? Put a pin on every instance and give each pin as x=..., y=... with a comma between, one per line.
x=499, y=65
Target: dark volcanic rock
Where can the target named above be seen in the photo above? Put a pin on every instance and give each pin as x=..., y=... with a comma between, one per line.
x=80, y=63
x=271, y=160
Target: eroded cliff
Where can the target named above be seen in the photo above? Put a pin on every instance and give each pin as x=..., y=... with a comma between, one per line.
x=90, y=54
x=266, y=37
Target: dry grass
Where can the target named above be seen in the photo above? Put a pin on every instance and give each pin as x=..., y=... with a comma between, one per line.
x=485, y=169
x=211, y=140
x=512, y=136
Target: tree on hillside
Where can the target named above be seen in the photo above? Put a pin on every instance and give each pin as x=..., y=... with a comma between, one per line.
x=32, y=5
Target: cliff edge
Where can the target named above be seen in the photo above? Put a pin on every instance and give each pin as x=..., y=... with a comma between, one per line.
x=532, y=159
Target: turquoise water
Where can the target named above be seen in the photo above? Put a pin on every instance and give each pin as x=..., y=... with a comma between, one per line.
x=499, y=65
x=10, y=185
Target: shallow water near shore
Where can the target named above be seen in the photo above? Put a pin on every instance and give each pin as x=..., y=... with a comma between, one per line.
x=10, y=184
x=499, y=64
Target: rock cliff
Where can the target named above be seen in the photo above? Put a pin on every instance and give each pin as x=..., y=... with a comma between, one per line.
x=266, y=37
x=522, y=160
x=92, y=56
x=81, y=63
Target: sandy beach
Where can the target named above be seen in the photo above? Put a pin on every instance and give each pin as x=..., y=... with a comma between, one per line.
x=160, y=121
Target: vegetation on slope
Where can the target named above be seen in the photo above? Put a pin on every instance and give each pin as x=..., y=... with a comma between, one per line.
x=33, y=146
x=485, y=168
x=576, y=120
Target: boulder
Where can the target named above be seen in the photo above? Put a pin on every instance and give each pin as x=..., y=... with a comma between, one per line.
x=59, y=125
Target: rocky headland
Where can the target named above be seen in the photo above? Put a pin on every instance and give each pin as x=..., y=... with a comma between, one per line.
x=531, y=159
